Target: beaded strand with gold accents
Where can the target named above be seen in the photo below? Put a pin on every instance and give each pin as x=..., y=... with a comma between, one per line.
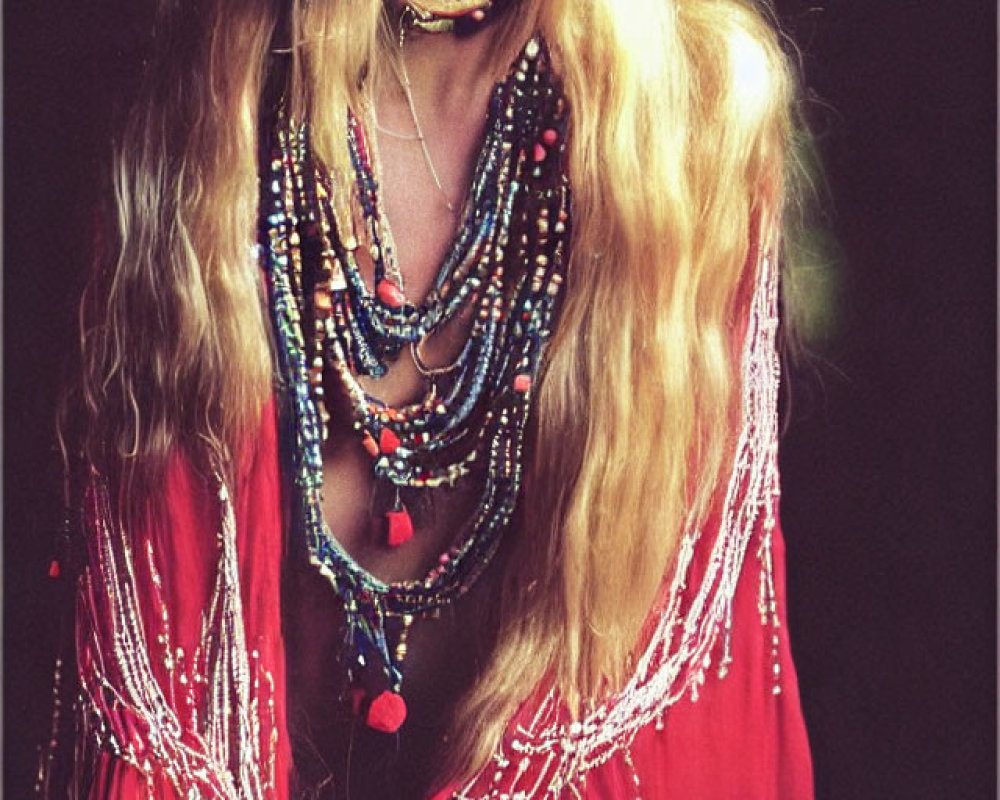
x=506, y=263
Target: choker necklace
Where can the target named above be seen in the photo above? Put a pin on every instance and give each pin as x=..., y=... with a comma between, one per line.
x=453, y=16
x=507, y=263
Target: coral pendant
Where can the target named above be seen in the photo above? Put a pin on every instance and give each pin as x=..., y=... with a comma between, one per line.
x=399, y=527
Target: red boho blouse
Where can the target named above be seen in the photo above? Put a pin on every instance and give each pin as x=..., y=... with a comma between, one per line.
x=182, y=670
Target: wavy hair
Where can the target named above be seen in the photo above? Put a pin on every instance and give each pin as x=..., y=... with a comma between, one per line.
x=680, y=118
x=175, y=352
x=680, y=114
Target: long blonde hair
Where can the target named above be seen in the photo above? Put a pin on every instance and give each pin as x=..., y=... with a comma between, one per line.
x=679, y=123
x=175, y=350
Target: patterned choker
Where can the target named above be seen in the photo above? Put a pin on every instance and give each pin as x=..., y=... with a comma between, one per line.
x=443, y=16
x=507, y=261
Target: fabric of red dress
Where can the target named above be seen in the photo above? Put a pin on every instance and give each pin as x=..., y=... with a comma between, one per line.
x=181, y=657
x=179, y=641
x=737, y=740
x=743, y=738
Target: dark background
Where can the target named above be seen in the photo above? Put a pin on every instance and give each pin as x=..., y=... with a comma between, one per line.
x=889, y=461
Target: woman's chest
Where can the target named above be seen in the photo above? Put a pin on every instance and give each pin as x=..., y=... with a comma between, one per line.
x=336, y=754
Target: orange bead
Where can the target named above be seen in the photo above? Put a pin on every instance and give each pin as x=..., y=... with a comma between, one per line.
x=369, y=443
x=322, y=301
x=390, y=294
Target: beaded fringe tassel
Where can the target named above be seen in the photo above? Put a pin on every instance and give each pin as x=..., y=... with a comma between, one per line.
x=200, y=731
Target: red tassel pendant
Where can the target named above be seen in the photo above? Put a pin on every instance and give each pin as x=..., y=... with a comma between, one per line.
x=387, y=712
x=399, y=527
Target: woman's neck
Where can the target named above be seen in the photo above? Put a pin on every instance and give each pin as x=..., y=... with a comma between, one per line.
x=445, y=70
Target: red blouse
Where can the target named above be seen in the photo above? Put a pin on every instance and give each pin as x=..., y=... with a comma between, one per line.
x=182, y=663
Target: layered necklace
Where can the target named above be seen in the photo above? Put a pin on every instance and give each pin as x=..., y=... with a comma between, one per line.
x=506, y=262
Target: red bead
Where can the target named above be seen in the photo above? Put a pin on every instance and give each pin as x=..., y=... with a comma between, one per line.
x=399, y=527
x=388, y=442
x=54, y=569
x=387, y=712
x=522, y=383
x=540, y=152
x=369, y=443
x=390, y=294
x=550, y=136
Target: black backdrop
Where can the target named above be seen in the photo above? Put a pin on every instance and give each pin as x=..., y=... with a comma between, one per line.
x=889, y=460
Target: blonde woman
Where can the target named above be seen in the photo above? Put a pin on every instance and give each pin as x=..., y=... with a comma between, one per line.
x=430, y=387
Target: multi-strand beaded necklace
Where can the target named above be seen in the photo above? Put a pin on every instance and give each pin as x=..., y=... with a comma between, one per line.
x=506, y=262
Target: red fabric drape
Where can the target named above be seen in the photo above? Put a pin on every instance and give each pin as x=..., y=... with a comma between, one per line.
x=174, y=560
x=738, y=740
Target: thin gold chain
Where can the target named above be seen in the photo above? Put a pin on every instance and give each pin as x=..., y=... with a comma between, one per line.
x=404, y=81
